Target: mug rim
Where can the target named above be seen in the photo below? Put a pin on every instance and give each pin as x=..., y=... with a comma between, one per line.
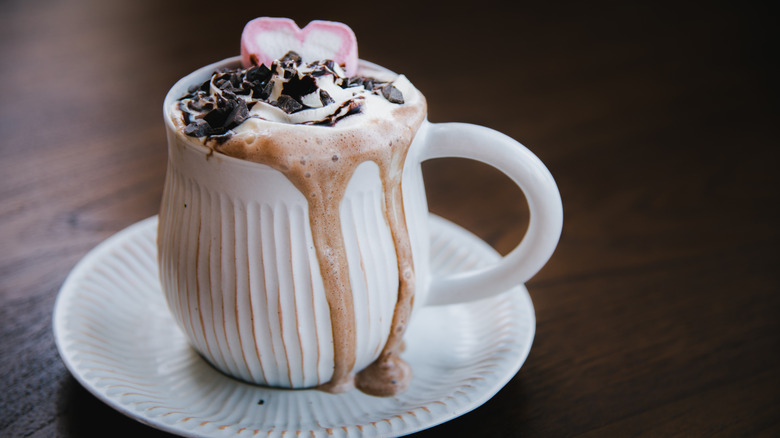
x=180, y=86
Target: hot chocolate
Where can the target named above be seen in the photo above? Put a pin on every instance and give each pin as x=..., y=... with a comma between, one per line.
x=312, y=123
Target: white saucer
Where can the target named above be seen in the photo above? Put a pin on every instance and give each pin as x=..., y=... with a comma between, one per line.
x=114, y=333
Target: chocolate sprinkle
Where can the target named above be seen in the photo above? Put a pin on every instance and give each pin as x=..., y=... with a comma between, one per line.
x=298, y=87
x=291, y=57
x=288, y=104
x=392, y=94
x=238, y=115
x=266, y=91
x=200, y=105
x=260, y=73
x=214, y=113
x=325, y=98
x=198, y=128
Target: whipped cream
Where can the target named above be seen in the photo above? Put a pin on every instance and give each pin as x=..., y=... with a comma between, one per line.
x=291, y=92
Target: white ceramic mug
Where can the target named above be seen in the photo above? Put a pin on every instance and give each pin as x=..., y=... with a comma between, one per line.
x=239, y=269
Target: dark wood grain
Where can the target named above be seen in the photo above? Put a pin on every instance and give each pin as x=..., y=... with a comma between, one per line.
x=657, y=315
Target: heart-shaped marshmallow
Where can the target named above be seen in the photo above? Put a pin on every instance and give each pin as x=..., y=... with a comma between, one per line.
x=269, y=38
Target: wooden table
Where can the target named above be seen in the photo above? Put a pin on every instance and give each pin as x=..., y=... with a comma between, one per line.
x=657, y=315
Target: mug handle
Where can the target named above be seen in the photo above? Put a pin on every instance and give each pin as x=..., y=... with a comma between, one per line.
x=463, y=140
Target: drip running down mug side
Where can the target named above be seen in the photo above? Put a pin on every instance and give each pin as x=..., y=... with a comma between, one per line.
x=239, y=267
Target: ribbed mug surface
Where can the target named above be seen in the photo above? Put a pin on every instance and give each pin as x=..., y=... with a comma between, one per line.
x=240, y=273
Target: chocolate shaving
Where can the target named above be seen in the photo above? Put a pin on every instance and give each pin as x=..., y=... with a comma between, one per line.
x=185, y=115
x=325, y=98
x=319, y=71
x=197, y=128
x=246, y=89
x=228, y=87
x=369, y=84
x=346, y=109
x=213, y=114
x=326, y=68
x=261, y=73
x=266, y=90
x=298, y=87
x=354, y=81
x=355, y=107
x=291, y=57
x=238, y=115
x=288, y=104
x=228, y=114
x=392, y=94
x=229, y=94
x=200, y=105
x=218, y=116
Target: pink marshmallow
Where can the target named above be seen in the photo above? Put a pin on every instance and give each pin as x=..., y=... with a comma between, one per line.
x=269, y=38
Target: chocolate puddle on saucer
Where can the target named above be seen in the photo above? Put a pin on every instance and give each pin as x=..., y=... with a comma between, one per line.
x=320, y=161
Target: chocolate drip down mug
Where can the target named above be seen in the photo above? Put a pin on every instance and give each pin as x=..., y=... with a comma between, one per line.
x=274, y=287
